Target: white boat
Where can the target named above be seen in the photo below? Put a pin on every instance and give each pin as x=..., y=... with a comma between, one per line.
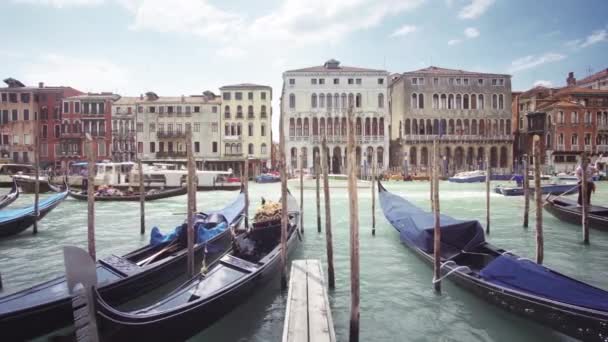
x=7, y=170
x=336, y=181
x=476, y=176
x=172, y=175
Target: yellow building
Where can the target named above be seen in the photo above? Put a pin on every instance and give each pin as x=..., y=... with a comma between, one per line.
x=246, y=122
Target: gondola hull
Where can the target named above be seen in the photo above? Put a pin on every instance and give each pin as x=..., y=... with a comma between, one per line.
x=576, y=321
x=50, y=305
x=19, y=224
x=566, y=210
x=133, y=198
x=28, y=184
x=9, y=198
x=547, y=189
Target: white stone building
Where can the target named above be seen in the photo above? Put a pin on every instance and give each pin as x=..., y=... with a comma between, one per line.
x=161, y=124
x=315, y=104
x=123, y=129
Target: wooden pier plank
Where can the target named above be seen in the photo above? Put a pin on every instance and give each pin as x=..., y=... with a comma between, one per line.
x=320, y=323
x=296, y=318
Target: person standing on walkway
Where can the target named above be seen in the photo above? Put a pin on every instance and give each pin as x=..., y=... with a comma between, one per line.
x=588, y=177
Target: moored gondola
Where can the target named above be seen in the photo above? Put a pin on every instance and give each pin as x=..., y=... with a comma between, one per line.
x=546, y=189
x=498, y=276
x=205, y=298
x=120, y=279
x=569, y=211
x=150, y=196
x=14, y=221
x=10, y=197
x=28, y=184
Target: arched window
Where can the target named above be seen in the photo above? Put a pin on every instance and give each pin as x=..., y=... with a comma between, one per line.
x=227, y=112
x=336, y=100
x=465, y=101
x=473, y=101
x=238, y=129
x=330, y=129
x=343, y=126
x=304, y=158
x=250, y=111
x=381, y=127
x=227, y=129
x=344, y=106
x=501, y=101
x=435, y=101
x=227, y=148
x=313, y=101
x=451, y=101
x=494, y=101
x=407, y=127
x=367, y=126
x=306, y=132
x=292, y=101
x=299, y=127
x=380, y=100
x=351, y=100
x=508, y=126
x=322, y=127
x=444, y=101
x=474, y=127
x=315, y=126
x=480, y=102
x=321, y=100
x=458, y=101
x=358, y=101
x=263, y=149
x=414, y=102
x=263, y=111
x=420, y=101
x=336, y=126
x=329, y=104
x=292, y=127
x=250, y=149
x=358, y=126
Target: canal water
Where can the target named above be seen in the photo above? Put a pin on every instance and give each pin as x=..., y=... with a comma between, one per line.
x=397, y=299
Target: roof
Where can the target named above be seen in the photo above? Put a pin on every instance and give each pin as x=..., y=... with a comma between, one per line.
x=561, y=104
x=333, y=65
x=594, y=77
x=245, y=85
x=95, y=96
x=536, y=90
x=434, y=70
x=579, y=90
x=126, y=100
x=198, y=99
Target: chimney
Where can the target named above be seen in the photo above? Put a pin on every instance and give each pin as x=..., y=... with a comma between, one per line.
x=40, y=84
x=141, y=96
x=183, y=99
x=571, y=81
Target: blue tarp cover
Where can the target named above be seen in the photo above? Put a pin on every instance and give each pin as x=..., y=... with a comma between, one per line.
x=416, y=226
x=12, y=214
x=529, y=277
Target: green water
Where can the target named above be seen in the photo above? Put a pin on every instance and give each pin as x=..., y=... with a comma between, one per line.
x=397, y=300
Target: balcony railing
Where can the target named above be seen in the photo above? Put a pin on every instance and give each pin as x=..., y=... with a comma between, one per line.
x=602, y=127
x=232, y=137
x=574, y=148
x=560, y=147
x=169, y=135
x=588, y=148
x=73, y=135
x=171, y=154
x=602, y=148
x=456, y=138
x=233, y=154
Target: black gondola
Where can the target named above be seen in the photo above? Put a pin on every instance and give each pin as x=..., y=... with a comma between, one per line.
x=28, y=184
x=151, y=196
x=516, y=284
x=120, y=278
x=14, y=221
x=205, y=298
x=568, y=210
x=10, y=197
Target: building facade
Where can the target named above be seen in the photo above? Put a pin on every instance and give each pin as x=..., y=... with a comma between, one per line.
x=598, y=81
x=247, y=122
x=469, y=112
x=21, y=109
x=161, y=124
x=315, y=103
x=123, y=129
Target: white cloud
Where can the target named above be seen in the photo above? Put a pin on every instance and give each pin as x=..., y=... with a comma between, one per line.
x=475, y=9
x=454, y=41
x=404, y=30
x=595, y=37
x=86, y=74
x=61, y=3
x=543, y=83
x=231, y=52
x=531, y=61
x=471, y=32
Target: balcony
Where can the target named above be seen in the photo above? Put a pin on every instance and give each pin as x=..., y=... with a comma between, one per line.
x=71, y=135
x=602, y=127
x=602, y=148
x=171, y=154
x=170, y=135
x=457, y=138
x=559, y=147
x=588, y=148
x=232, y=138
x=574, y=148
x=125, y=133
x=233, y=154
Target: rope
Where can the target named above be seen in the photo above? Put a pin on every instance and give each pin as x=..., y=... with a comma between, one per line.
x=449, y=262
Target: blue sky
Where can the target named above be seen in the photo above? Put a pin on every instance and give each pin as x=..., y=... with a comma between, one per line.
x=188, y=46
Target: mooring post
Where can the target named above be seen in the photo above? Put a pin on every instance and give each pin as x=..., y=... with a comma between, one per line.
x=431, y=173
x=37, y=177
x=374, y=176
x=584, y=195
x=540, y=251
x=526, y=189
x=91, y=197
x=191, y=198
x=284, y=218
x=142, y=199
x=488, y=178
x=318, y=185
x=301, y=193
x=328, y=234
x=245, y=181
x=354, y=229
x=437, y=222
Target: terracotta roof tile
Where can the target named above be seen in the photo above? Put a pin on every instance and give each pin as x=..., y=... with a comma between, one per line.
x=594, y=77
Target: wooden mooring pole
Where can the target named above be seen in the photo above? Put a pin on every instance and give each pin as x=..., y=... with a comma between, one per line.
x=539, y=202
x=37, y=176
x=431, y=173
x=246, y=184
x=318, y=186
x=488, y=179
x=91, y=197
x=284, y=218
x=142, y=200
x=584, y=195
x=301, y=194
x=328, y=234
x=374, y=170
x=191, y=198
x=437, y=225
x=353, y=202
x=526, y=189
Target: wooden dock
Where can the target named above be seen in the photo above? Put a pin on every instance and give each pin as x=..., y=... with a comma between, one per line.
x=308, y=314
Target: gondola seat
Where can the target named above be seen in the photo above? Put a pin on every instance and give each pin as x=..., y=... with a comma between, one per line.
x=120, y=265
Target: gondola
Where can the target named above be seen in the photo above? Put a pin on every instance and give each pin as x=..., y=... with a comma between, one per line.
x=546, y=189
x=28, y=184
x=205, y=298
x=10, y=197
x=568, y=210
x=151, y=196
x=120, y=278
x=14, y=221
x=516, y=284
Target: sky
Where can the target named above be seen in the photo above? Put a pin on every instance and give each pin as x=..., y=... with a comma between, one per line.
x=184, y=47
